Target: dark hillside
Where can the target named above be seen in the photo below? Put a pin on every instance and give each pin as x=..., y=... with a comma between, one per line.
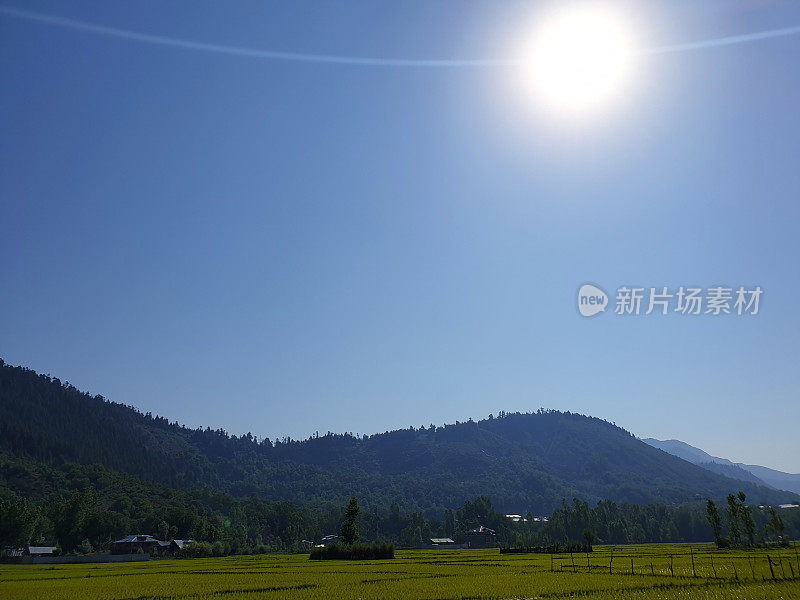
x=524, y=461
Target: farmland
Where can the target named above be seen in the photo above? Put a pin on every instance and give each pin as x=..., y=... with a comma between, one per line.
x=659, y=571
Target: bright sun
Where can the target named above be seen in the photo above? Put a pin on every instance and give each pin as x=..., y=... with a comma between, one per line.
x=581, y=58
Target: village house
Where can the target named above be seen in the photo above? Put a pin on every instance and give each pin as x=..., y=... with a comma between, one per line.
x=41, y=551
x=442, y=542
x=143, y=543
x=481, y=537
x=33, y=551
x=178, y=545
x=147, y=544
x=327, y=541
x=136, y=543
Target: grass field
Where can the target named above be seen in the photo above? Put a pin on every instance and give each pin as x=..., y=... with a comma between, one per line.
x=424, y=574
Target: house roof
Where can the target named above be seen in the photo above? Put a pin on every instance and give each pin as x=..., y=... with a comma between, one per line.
x=481, y=529
x=137, y=538
x=442, y=541
x=41, y=549
x=181, y=543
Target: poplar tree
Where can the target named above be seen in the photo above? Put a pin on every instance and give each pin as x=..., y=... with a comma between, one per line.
x=714, y=520
x=733, y=511
x=349, y=533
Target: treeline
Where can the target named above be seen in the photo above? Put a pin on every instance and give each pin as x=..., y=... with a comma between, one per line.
x=744, y=527
x=610, y=523
x=84, y=508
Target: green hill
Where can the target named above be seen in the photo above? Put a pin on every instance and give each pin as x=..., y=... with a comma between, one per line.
x=525, y=462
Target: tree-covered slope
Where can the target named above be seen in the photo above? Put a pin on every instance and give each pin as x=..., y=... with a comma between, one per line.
x=524, y=461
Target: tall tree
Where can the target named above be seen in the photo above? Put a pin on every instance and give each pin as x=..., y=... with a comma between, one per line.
x=449, y=523
x=714, y=520
x=747, y=519
x=589, y=536
x=163, y=530
x=733, y=511
x=775, y=525
x=20, y=522
x=349, y=533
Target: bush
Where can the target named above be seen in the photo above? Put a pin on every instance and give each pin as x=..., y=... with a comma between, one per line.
x=577, y=547
x=353, y=552
x=196, y=550
x=219, y=549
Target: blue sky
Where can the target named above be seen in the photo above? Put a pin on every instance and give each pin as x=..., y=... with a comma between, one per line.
x=283, y=247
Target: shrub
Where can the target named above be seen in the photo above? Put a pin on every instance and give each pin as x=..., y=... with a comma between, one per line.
x=353, y=552
x=557, y=548
x=196, y=550
x=219, y=549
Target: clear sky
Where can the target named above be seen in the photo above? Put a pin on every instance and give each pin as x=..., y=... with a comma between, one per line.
x=288, y=247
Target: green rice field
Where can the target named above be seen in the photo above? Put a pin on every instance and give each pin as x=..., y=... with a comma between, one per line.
x=641, y=572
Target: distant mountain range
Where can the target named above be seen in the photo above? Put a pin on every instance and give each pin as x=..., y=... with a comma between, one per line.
x=755, y=474
x=523, y=462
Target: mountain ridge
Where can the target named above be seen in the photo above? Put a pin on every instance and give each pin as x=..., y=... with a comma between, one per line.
x=525, y=461
x=773, y=478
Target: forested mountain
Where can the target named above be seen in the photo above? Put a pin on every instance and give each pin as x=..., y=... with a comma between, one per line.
x=741, y=471
x=777, y=479
x=734, y=472
x=84, y=508
x=526, y=462
x=685, y=451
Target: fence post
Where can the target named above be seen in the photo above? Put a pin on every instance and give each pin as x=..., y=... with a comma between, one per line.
x=610, y=562
x=551, y=562
x=769, y=561
x=713, y=568
x=588, y=564
x=691, y=552
x=652, y=572
x=631, y=565
x=671, y=572
x=574, y=570
x=735, y=574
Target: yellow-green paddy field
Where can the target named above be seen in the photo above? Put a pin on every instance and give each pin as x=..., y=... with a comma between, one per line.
x=642, y=572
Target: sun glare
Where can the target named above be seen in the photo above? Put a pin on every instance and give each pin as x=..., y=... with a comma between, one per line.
x=581, y=58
